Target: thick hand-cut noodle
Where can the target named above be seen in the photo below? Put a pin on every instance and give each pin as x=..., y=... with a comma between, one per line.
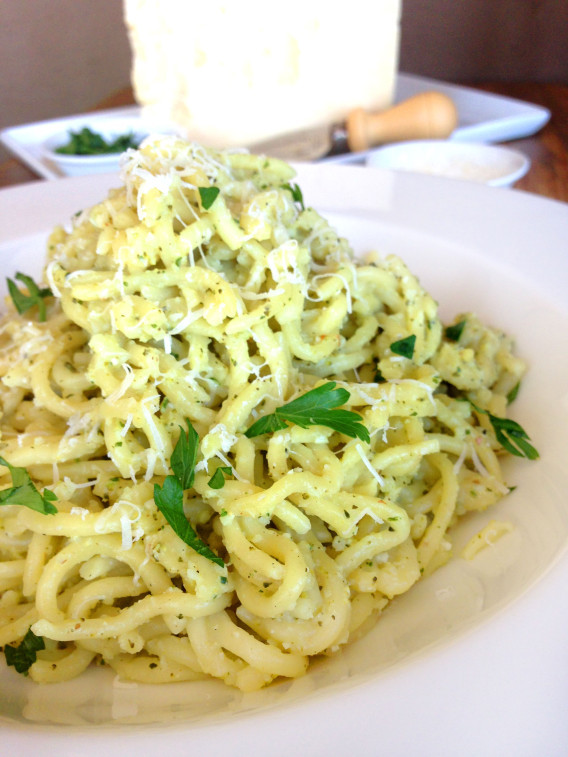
x=166, y=310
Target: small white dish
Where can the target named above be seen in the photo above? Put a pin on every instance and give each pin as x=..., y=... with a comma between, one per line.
x=485, y=164
x=78, y=165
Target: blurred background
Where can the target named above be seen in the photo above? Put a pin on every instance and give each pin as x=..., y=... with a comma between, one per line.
x=63, y=56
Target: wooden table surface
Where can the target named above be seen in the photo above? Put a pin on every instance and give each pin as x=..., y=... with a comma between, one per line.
x=547, y=150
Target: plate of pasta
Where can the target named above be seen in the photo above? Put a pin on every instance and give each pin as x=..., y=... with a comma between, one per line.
x=281, y=460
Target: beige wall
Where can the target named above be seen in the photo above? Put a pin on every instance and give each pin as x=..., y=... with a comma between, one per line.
x=59, y=57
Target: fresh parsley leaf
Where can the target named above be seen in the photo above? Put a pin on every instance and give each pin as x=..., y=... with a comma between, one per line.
x=23, y=656
x=297, y=195
x=23, y=492
x=404, y=347
x=169, y=501
x=512, y=396
x=169, y=496
x=208, y=196
x=454, y=332
x=184, y=456
x=268, y=424
x=314, y=408
x=35, y=295
x=510, y=435
x=378, y=377
x=217, y=480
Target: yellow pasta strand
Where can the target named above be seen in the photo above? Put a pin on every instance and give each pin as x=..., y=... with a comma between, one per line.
x=202, y=291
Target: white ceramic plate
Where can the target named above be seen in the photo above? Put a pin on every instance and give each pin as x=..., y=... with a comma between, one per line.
x=472, y=661
x=483, y=117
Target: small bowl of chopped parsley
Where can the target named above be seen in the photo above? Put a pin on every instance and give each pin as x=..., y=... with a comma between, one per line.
x=93, y=148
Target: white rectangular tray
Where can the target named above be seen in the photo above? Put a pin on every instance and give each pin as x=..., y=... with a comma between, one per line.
x=483, y=117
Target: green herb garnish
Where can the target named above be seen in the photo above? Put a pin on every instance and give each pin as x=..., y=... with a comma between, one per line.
x=35, y=296
x=315, y=408
x=88, y=142
x=23, y=656
x=297, y=195
x=510, y=435
x=378, y=377
x=169, y=501
x=23, y=492
x=184, y=456
x=512, y=396
x=454, y=332
x=217, y=480
x=404, y=347
x=208, y=196
x=169, y=496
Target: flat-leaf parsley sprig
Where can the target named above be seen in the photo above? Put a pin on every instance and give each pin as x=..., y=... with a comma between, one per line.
x=35, y=296
x=297, y=195
x=24, y=492
x=169, y=496
x=510, y=434
x=208, y=196
x=23, y=656
x=404, y=347
x=184, y=456
x=318, y=407
x=217, y=480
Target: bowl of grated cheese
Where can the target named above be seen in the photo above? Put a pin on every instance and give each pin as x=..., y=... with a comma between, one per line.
x=491, y=165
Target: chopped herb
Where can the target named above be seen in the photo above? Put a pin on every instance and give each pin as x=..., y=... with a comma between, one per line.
x=454, y=332
x=35, y=296
x=23, y=492
x=510, y=435
x=208, y=196
x=512, y=396
x=184, y=456
x=297, y=195
x=315, y=408
x=23, y=656
x=169, y=501
x=404, y=347
x=217, y=480
x=88, y=142
x=379, y=378
x=169, y=496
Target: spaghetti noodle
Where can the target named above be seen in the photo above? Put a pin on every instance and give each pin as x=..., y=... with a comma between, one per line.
x=202, y=296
